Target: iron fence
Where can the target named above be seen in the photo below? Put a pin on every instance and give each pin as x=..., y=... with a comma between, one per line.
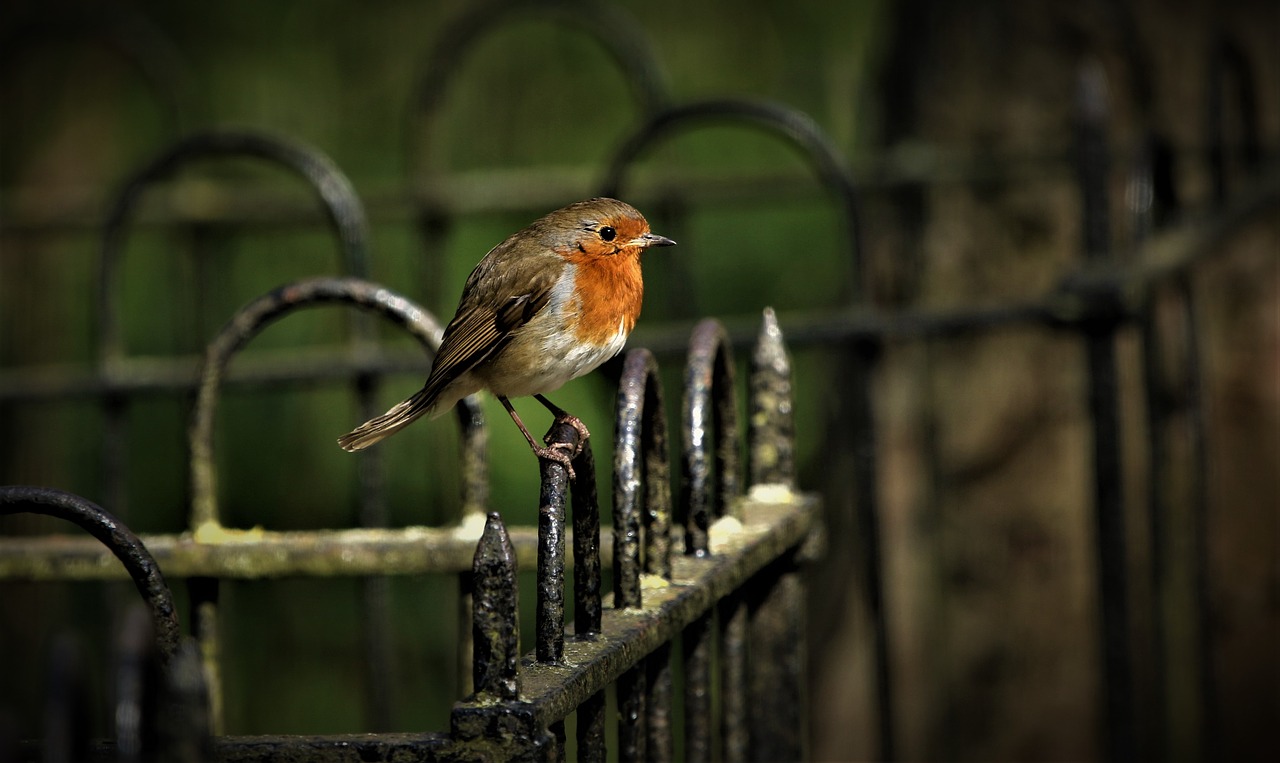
x=733, y=599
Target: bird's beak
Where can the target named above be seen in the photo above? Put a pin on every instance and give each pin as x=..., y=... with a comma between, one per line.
x=651, y=239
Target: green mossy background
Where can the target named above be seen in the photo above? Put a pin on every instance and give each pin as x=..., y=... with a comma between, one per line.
x=983, y=441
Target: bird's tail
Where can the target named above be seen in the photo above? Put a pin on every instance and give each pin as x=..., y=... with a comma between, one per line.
x=400, y=416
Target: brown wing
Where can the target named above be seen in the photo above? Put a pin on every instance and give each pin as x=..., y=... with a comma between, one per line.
x=485, y=322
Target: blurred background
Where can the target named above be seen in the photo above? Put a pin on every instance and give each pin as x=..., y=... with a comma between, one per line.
x=457, y=123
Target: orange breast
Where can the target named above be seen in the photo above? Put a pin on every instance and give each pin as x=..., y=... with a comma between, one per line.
x=611, y=292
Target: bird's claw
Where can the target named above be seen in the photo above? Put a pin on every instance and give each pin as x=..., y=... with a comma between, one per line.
x=576, y=423
x=557, y=452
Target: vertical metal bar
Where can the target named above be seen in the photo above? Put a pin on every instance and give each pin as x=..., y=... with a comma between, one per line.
x=555, y=749
x=776, y=716
x=641, y=464
x=660, y=690
x=475, y=501
x=858, y=416
x=778, y=710
x=203, y=595
x=136, y=689
x=586, y=594
x=549, y=614
x=735, y=696
x=708, y=406
x=697, y=689
x=590, y=728
x=495, y=620
x=631, y=715
x=1099, y=337
x=376, y=590
x=183, y=722
x=586, y=546
x=1159, y=507
x=771, y=432
x=1210, y=719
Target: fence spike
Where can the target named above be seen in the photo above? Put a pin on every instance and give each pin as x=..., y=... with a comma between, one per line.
x=771, y=434
x=495, y=614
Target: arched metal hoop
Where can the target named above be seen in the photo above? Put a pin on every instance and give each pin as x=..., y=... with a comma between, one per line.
x=252, y=318
x=619, y=34
x=113, y=534
x=792, y=126
x=641, y=485
x=343, y=207
x=710, y=407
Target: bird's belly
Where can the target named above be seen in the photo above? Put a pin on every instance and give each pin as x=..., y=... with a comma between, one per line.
x=539, y=361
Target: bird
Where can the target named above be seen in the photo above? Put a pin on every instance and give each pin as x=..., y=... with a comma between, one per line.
x=549, y=304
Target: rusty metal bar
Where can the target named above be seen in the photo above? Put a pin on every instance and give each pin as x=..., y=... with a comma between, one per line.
x=586, y=546
x=242, y=327
x=641, y=468
x=708, y=406
x=549, y=618
x=633, y=728
x=696, y=646
x=775, y=722
x=659, y=693
x=117, y=538
x=771, y=419
x=1159, y=258
x=779, y=710
x=251, y=319
x=551, y=691
x=262, y=554
x=495, y=614
x=587, y=604
x=1228, y=62
x=136, y=685
x=736, y=697
x=345, y=213
x=1103, y=400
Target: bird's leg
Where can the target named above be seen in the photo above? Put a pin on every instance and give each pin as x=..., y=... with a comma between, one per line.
x=563, y=416
x=554, y=452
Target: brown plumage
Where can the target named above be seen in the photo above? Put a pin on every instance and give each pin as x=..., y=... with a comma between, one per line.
x=547, y=305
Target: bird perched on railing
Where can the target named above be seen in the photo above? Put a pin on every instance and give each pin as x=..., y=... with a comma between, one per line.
x=547, y=305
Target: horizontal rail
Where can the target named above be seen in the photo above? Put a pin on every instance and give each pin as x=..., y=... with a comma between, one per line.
x=248, y=554
x=486, y=191
x=1160, y=257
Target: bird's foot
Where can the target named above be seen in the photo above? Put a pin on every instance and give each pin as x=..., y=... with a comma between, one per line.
x=576, y=423
x=561, y=453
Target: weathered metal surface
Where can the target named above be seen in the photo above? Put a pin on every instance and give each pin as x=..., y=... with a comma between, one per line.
x=495, y=614
x=252, y=318
x=585, y=502
x=256, y=553
x=771, y=425
x=549, y=608
x=1099, y=334
x=116, y=539
x=552, y=691
x=641, y=487
x=709, y=409
x=779, y=711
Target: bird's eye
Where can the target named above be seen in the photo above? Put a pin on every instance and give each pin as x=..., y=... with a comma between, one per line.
x=608, y=233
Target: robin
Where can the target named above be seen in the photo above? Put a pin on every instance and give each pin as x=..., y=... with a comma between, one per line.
x=547, y=305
